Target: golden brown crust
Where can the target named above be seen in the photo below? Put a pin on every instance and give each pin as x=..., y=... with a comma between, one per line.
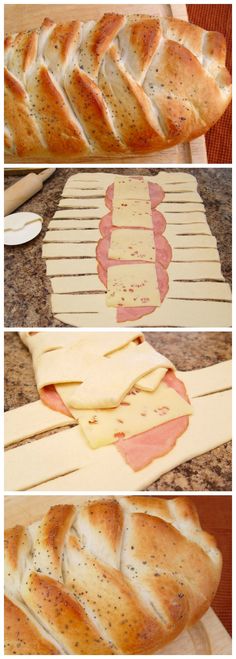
x=21, y=635
x=113, y=576
x=62, y=615
x=124, y=84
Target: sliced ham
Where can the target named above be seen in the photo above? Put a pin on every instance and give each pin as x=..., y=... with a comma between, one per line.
x=155, y=191
x=139, y=450
x=52, y=399
x=106, y=226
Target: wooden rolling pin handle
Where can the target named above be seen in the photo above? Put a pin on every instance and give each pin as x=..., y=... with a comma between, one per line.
x=18, y=193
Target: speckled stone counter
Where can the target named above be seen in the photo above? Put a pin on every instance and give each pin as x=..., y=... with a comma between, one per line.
x=27, y=289
x=188, y=350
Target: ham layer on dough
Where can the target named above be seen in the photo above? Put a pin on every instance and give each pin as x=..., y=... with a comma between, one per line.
x=163, y=252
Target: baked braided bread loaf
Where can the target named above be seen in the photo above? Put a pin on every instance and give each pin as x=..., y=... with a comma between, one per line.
x=122, y=85
x=112, y=576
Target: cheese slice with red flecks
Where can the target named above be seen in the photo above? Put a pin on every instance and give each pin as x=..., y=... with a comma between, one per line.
x=138, y=412
x=132, y=285
x=132, y=245
x=132, y=213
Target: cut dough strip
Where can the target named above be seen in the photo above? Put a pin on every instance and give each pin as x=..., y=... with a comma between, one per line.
x=205, y=381
x=174, y=230
x=181, y=208
x=92, y=204
x=195, y=254
x=211, y=419
x=71, y=267
x=82, y=194
x=82, y=213
x=72, y=235
x=185, y=218
x=196, y=270
x=30, y=420
x=73, y=224
x=48, y=457
x=182, y=197
x=75, y=284
x=55, y=250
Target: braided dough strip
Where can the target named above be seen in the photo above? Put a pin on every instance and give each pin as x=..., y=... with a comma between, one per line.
x=122, y=85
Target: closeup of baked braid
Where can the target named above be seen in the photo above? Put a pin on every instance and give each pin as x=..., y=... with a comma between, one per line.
x=110, y=576
x=122, y=85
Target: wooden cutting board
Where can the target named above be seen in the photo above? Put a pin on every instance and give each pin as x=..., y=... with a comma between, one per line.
x=207, y=637
x=26, y=17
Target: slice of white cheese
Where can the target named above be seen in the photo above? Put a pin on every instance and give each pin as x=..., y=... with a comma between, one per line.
x=139, y=411
x=130, y=188
x=132, y=213
x=132, y=245
x=133, y=285
x=119, y=372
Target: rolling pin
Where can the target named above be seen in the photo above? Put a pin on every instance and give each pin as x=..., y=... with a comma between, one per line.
x=18, y=193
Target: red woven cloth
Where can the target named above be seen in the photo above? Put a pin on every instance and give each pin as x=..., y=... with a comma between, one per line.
x=217, y=18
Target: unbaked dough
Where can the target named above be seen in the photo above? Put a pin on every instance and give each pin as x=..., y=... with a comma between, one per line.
x=72, y=235
x=182, y=197
x=62, y=453
x=52, y=250
x=196, y=270
x=71, y=267
x=30, y=420
x=132, y=286
x=120, y=371
x=76, y=284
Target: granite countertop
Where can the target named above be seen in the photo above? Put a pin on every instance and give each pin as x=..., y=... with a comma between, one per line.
x=27, y=289
x=188, y=350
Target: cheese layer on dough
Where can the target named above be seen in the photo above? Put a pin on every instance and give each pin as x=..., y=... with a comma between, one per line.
x=119, y=373
x=130, y=188
x=133, y=285
x=139, y=411
x=132, y=213
x=132, y=245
